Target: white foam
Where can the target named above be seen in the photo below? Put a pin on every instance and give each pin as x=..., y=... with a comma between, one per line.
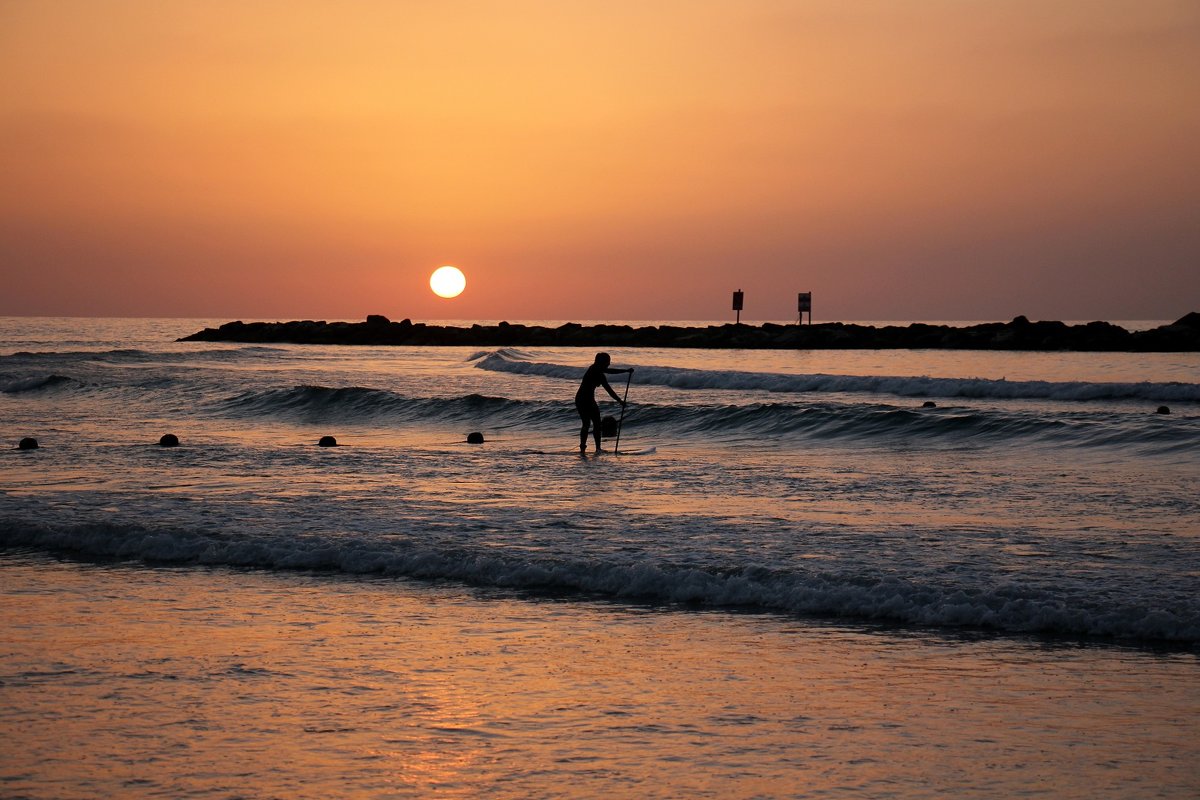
x=1011, y=607
x=915, y=386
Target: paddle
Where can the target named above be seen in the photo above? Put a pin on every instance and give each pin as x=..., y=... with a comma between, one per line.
x=617, y=446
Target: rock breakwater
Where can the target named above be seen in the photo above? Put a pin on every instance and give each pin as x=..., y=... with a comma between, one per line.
x=1183, y=335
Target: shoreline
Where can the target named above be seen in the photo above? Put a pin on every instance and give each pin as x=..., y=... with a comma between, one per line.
x=1183, y=335
x=295, y=685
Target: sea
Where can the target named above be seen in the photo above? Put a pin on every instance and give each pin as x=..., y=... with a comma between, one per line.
x=800, y=573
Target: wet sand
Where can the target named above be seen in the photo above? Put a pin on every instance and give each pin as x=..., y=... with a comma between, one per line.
x=144, y=682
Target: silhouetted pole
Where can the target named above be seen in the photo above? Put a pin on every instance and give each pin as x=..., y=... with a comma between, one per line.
x=621, y=421
x=737, y=306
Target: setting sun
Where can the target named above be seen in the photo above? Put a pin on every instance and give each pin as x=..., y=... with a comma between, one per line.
x=447, y=281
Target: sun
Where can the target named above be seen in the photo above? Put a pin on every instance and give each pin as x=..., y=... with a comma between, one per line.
x=447, y=281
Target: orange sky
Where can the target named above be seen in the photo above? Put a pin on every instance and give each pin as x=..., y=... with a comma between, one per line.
x=914, y=159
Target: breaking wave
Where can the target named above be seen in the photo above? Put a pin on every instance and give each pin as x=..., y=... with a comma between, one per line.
x=974, y=388
x=1010, y=607
x=38, y=383
x=764, y=421
x=360, y=403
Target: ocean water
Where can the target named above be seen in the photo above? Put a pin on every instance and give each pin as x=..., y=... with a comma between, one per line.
x=793, y=579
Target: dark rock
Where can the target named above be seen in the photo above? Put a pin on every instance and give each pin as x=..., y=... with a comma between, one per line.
x=929, y=404
x=28, y=443
x=1183, y=335
x=474, y=437
x=1019, y=334
x=1163, y=410
x=169, y=440
x=608, y=427
x=1099, y=336
x=327, y=441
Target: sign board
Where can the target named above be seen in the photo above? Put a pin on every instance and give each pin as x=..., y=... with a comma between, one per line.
x=804, y=302
x=737, y=300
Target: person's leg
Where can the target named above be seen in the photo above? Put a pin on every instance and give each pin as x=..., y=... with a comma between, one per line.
x=595, y=413
x=584, y=414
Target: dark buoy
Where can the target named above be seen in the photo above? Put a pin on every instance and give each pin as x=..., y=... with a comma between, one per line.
x=1163, y=410
x=474, y=437
x=28, y=443
x=929, y=404
x=327, y=441
x=608, y=427
x=169, y=440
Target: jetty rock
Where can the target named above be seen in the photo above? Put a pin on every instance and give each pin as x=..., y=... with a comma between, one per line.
x=1182, y=335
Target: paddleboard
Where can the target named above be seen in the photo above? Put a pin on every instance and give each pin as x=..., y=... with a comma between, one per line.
x=645, y=451
x=642, y=452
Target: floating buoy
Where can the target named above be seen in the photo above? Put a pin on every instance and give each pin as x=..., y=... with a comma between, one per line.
x=608, y=427
x=929, y=404
x=474, y=437
x=327, y=441
x=28, y=443
x=169, y=440
x=1163, y=410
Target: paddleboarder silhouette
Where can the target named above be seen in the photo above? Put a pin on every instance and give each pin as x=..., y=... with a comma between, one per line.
x=585, y=398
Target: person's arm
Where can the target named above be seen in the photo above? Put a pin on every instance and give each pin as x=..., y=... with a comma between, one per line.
x=609, y=389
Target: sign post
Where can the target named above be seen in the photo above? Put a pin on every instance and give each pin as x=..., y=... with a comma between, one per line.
x=804, y=303
x=737, y=306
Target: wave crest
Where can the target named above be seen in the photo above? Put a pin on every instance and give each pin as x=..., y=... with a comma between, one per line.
x=915, y=386
x=1011, y=607
x=39, y=383
x=361, y=403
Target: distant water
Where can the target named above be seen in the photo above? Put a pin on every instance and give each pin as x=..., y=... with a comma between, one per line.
x=1041, y=495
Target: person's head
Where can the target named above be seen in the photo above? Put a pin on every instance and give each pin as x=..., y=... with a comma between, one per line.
x=602, y=359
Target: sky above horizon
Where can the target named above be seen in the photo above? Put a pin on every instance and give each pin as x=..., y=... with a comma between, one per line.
x=938, y=159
